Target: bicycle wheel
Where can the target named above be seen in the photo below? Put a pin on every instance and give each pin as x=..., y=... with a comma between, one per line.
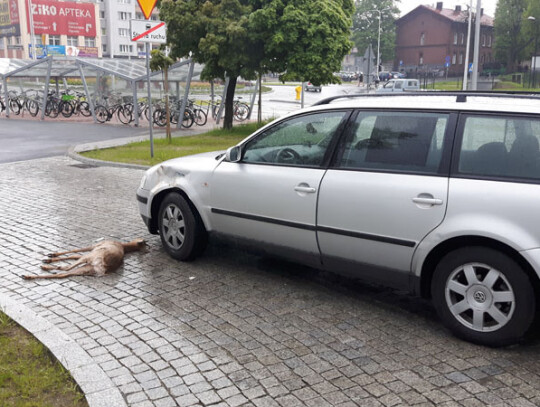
x=241, y=112
x=200, y=117
x=102, y=114
x=84, y=108
x=51, y=109
x=160, y=117
x=65, y=108
x=14, y=106
x=33, y=107
x=124, y=115
x=188, y=120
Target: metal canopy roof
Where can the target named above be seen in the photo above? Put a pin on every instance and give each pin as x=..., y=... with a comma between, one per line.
x=130, y=70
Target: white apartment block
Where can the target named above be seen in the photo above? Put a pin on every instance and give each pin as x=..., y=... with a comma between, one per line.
x=115, y=16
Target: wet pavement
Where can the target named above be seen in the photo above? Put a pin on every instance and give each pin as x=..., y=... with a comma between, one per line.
x=231, y=328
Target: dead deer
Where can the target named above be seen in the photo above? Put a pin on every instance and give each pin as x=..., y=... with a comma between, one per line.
x=104, y=257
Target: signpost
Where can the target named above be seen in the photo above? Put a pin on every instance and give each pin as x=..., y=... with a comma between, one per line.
x=148, y=32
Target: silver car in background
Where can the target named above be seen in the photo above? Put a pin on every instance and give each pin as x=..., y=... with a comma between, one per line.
x=435, y=193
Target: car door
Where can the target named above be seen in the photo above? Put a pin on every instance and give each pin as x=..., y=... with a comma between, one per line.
x=269, y=197
x=386, y=191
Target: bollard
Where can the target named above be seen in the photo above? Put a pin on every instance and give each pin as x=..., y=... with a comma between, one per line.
x=298, y=90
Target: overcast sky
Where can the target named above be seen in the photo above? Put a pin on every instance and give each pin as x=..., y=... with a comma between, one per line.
x=407, y=5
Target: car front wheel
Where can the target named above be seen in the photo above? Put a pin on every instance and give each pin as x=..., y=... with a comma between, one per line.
x=483, y=296
x=181, y=230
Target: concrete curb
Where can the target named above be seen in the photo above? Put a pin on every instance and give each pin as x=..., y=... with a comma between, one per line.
x=98, y=388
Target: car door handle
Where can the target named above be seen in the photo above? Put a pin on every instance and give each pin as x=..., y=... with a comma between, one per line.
x=427, y=201
x=305, y=189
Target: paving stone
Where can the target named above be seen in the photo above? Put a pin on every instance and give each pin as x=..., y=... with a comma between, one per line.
x=245, y=330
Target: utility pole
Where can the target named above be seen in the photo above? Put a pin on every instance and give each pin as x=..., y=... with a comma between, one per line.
x=32, y=33
x=467, y=49
x=474, y=84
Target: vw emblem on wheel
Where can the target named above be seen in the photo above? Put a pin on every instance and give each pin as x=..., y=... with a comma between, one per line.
x=480, y=296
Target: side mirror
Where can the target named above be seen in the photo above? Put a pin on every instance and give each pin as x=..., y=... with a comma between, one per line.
x=233, y=154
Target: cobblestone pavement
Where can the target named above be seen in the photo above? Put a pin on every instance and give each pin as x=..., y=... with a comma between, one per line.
x=232, y=329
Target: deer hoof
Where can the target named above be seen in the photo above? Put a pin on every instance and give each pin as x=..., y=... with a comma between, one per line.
x=46, y=260
x=51, y=255
x=47, y=268
x=26, y=277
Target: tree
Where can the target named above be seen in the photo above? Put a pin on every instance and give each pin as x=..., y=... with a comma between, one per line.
x=366, y=26
x=304, y=40
x=160, y=61
x=510, y=41
x=300, y=39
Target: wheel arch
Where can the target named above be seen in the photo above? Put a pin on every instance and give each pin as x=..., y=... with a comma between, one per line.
x=438, y=252
x=158, y=199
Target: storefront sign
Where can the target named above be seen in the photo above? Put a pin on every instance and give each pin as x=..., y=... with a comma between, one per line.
x=43, y=51
x=9, y=19
x=64, y=18
x=88, y=52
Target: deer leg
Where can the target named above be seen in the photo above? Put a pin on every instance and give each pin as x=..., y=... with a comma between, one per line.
x=53, y=259
x=84, y=249
x=81, y=260
x=86, y=270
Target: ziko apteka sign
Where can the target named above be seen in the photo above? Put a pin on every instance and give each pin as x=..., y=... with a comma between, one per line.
x=63, y=18
x=148, y=31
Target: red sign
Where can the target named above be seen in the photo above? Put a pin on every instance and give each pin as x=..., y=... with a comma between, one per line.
x=64, y=18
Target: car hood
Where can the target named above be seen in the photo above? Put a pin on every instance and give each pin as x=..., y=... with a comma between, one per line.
x=166, y=172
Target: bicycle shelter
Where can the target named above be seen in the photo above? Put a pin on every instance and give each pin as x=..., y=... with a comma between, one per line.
x=131, y=71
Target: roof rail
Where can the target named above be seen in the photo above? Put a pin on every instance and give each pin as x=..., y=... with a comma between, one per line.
x=461, y=95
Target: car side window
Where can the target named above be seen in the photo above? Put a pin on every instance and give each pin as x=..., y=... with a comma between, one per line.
x=395, y=141
x=398, y=85
x=300, y=141
x=500, y=147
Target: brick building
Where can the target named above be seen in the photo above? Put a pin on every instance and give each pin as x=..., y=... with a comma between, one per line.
x=427, y=38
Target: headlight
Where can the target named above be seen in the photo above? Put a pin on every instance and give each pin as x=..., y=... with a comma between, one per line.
x=143, y=181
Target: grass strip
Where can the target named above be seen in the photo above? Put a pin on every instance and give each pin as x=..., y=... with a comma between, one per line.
x=139, y=153
x=29, y=375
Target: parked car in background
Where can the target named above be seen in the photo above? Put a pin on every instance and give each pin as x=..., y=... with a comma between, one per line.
x=398, y=75
x=385, y=76
x=434, y=192
x=399, y=85
x=312, y=88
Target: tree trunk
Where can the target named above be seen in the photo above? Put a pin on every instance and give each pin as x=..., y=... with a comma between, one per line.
x=167, y=108
x=229, y=101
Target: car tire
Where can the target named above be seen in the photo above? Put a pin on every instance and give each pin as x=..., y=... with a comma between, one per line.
x=483, y=296
x=181, y=229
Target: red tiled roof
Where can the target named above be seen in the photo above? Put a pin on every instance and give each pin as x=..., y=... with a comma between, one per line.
x=451, y=14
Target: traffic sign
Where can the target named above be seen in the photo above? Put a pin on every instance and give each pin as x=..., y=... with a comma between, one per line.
x=148, y=31
x=147, y=6
x=447, y=59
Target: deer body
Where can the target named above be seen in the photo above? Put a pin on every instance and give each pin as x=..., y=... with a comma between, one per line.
x=104, y=257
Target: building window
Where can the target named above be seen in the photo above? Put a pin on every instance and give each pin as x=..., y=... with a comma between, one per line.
x=123, y=32
x=103, y=31
x=489, y=40
x=124, y=15
x=483, y=40
x=139, y=16
x=461, y=58
x=124, y=1
x=89, y=42
x=38, y=40
x=126, y=48
x=454, y=59
x=18, y=40
x=104, y=47
x=421, y=59
x=455, y=38
x=422, y=39
x=72, y=40
x=483, y=59
x=54, y=40
x=462, y=39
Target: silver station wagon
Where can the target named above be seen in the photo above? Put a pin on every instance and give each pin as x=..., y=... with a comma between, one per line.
x=436, y=193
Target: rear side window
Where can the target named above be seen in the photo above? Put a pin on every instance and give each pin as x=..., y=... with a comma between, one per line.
x=395, y=141
x=500, y=147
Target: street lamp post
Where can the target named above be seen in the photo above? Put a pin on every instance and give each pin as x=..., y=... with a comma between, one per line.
x=378, y=39
x=533, y=19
